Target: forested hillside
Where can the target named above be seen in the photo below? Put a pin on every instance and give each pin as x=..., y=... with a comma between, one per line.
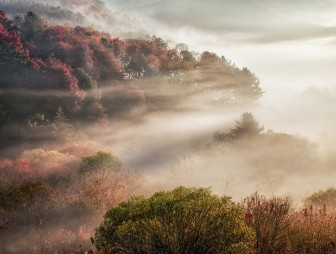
x=93, y=76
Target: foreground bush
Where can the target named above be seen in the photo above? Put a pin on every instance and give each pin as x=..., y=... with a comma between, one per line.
x=271, y=220
x=279, y=228
x=180, y=221
x=313, y=230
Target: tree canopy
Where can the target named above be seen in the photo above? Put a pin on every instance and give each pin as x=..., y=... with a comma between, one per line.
x=185, y=220
x=246, y=126
x=321, y=198
x=101, y=160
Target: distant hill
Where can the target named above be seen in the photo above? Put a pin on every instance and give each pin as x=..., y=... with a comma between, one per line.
x=94, y=76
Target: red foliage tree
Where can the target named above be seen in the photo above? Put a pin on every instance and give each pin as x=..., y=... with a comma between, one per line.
x=10, y=41
x=106, y=64
x=65, y=79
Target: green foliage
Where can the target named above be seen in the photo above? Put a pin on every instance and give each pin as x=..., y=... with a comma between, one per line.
x=159, y=42
x=188, y=60
x=185, y=220
x=88, y=84
x=4, y=116
x=100, y=161
x=32, y=27
x=322, y=198
x=247, y=126
x=22, y=193
x=106, y=42
x=248, y=86
x=85, y=81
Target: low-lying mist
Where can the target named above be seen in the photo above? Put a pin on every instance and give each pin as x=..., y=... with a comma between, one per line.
x=175, y=146
x=169, y=141
x=164, y=146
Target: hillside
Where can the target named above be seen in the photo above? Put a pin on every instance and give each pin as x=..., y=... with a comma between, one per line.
x=93, y=76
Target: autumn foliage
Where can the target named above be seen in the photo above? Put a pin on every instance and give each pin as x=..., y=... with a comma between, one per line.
x=42, y=57
x=280, y=228
x=40, y=185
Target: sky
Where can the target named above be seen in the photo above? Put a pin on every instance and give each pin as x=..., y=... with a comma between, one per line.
x=288, y=44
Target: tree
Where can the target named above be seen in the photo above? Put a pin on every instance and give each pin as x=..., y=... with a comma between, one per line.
x=159, y=42
x=62, y=127
x=100, y=161
x=271, y=220
x=32, y=27
x=246, y=126
x=10, y=43
x=85, y=81
x=23, y=193
x=322, y=198
x=248, y=86
x=188, y=60
x=4, y=116
x=185, y=220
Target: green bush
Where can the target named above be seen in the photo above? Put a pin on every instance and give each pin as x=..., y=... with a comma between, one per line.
x=25, y=193
x=100, y=161
x=185, y=220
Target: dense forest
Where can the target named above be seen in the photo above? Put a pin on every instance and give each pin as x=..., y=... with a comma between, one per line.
x=63, y=86
x=91, y=76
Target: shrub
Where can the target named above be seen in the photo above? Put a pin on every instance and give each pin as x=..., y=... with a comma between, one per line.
x=25, y=193
x=313, y=231
x=180, y=221
x=102, y=190
x=100, y=161
x=271, y=220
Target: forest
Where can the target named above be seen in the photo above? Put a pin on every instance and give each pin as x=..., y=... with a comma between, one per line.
x=113, y=144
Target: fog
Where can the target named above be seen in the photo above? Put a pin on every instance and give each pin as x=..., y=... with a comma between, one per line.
x=174, y=147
